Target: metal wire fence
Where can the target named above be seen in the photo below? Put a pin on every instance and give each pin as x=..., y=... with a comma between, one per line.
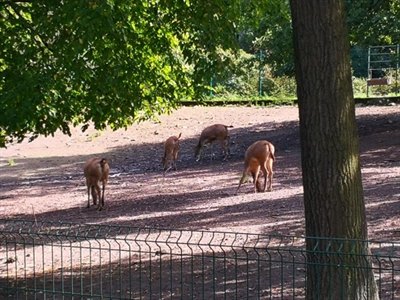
x=47, y=260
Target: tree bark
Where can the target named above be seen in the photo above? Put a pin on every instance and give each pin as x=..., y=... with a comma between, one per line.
x=333, y=193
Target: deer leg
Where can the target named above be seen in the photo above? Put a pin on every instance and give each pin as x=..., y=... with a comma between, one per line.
x=265, y=172
x=88, y=192
x=255, y=178
x=94, y=194
x=270, y=174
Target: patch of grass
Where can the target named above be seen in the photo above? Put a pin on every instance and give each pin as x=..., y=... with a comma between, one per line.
x=92, y=136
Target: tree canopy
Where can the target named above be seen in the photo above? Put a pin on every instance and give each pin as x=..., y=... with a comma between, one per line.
x=374, y=22
x=114, y=62
x=108, y=62
x=370, y=22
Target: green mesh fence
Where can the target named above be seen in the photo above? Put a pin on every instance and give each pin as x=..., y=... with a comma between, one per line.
x=55, y=260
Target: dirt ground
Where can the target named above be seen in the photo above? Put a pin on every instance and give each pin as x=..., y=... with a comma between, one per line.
x=43, y=179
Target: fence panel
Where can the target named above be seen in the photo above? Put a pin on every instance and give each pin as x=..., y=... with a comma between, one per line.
x=41, y=260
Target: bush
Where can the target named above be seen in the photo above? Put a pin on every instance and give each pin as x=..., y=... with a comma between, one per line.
x=360, y=87
x=243, y=79
x=283, y=86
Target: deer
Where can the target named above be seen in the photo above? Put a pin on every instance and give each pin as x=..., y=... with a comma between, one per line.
x=96, y=170
x=171, y=150
x=259, y=156
x=216, y=132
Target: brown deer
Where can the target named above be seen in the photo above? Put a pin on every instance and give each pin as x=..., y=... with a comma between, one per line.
x=216, y=132
x=96, y=170
x=260, y=155
x=171, y=151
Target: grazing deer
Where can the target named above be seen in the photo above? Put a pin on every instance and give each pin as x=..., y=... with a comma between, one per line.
x=96, y=170
x=171, y=150
x=260, y=155
x=217, y=132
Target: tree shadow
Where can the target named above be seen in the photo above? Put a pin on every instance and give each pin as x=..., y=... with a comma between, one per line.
x=188, y=210
x=200, y=195
x=184, y=198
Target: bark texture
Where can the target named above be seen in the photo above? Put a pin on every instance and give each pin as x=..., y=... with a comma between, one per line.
x=333, y=193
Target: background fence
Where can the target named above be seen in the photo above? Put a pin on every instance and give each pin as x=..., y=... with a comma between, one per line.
x=41, y=260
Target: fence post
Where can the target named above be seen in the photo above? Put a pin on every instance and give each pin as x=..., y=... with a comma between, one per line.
x=261, y=73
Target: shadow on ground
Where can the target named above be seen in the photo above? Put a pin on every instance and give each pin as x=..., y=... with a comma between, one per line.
x=202, y=194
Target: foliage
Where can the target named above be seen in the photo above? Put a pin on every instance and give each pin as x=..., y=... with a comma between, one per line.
x=273, y=35
x=359, y=59
x=240, y=77
x=359, y=86
x=243, y=76
x=370, y=22
x=374, y=22
x=276, y=38
x=115, y=62
x=110, y=62
x=280, y=87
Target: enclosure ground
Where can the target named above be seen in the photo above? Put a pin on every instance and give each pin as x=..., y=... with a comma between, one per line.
x=43, y=179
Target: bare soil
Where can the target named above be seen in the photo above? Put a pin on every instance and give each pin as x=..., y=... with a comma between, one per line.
x=43, y=180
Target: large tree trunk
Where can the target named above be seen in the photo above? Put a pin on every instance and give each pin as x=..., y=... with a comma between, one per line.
x=333, y=193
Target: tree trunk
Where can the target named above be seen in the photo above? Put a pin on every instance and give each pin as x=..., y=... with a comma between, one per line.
x=333, y=193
